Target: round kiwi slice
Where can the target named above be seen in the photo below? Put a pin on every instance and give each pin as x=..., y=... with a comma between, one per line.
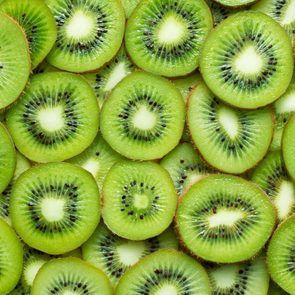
x=230, y=139
x=225, y=219
x=56, y=118
x=240, y=278
x=247, y=60
x=185, y=167
x=165, y=272
x=38, y=23
x=89, y=33
x=11, y=258
x=69, y=276
x=272, y=177
x=15, y=65
x=144, y=116
x=139, y=200
x=281, y=255
x=104, y=80
x=115, y=255
x=129, y=6
x=55, y=207
x=164, y=37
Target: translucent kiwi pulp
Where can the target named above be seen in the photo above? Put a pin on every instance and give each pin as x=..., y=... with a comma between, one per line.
x=165, y=36
x=115, y=255
x=55, y=207
x=38, y=23
x=55, y=119
x=144, y=116
x=70, y=276
x=89, y=33
x=139, y=200
x=225, y=219
x=247, y=60
x=228, y=138
x=165, y=272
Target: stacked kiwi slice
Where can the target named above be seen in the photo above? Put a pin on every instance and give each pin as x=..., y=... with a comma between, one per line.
x=147, y=147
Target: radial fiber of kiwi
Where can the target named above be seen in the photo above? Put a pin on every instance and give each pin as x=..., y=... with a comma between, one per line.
x=164, y=37
x=247, y=60
x=281, y=255
x=115, y=255
x=129, y=6
x=230, y=139
x=247, y=278
x=225, y=219
x=55, y=119
x=38, y=23
x=11, y=258
x=185, y=167
x=144, y=116
x=70, y=276
x=15, y=65
x=89, y=33
x=165, y=272
x=55, y=207
x=105, y=79
x=139, y=200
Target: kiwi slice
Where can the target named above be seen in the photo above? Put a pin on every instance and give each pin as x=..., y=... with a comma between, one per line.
x=245, y=278
x=185, y=167
x=230, y=139
x=284, y=108
x=97, y=159
x=55, y=207
x=139, y=200
x=89, y=33
x=105, y=79
x=274, y=289
x=164, y=37
x=70, y=276
x=22, y=164
x=247, y=60
x=281, y=257
x=115, y=255
x=55, y=119
x=15, y=65
x=11, y=258
x=129, y=6
x=165, y=272
x=272, y=177
x=144, y=116
x=38, y=23
x=225, y=219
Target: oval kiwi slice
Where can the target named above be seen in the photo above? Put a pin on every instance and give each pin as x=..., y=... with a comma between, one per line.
x=11, y=258
x=139, y=200
x=247, y=60
x=115, y=255
x=15, y=65
x=55, y=119
x=230, y=139
x=225, y=219
x=281, y=255
x=144, y=116
x=164, y=37
x=89, y=33
x=165, y=272
x=70, y=276
x=55, y=207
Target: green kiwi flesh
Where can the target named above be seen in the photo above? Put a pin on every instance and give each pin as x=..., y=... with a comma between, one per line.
x=235, y=3
x=143, y=118
x=129, y=6
x=274, y=289
x=164, y=37
x=247, y=60
x=225, y=219
x=55, y=119
x=55, y=207
x=165, y=272
x=139, y=200
x=230, y=139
